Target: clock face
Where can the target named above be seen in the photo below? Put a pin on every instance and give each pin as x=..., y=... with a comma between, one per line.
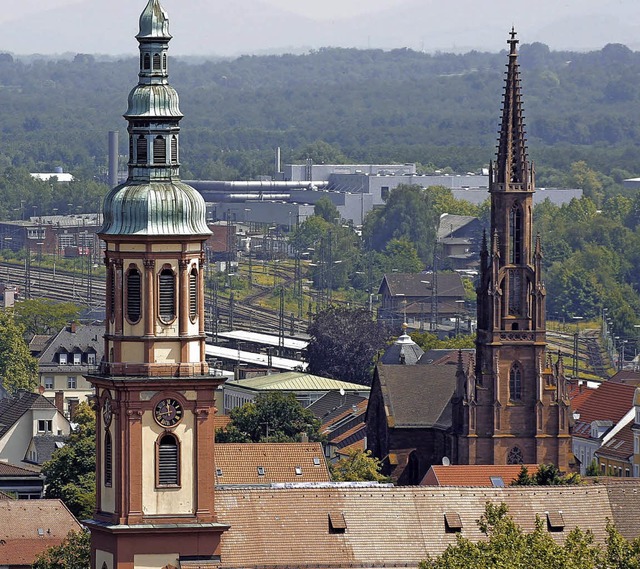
x=168, y=412
x=107, y=412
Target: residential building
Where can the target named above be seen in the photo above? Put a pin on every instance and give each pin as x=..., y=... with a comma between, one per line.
x=29, y=527
x=422, y=300
x=31, y=428
x=23, y=482
x=460, y=237
x=615, y=455
x=68, y=358
x=265, y=464
x=598, y=414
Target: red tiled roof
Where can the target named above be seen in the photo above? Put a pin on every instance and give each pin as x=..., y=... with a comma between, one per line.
x=221, y=421
x=28, y=527
x=609, y=402
x=473, y=475
x=7, y=469
x=240, y=463
x=345, y=451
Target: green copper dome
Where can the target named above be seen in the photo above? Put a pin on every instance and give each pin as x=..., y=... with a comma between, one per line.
x=156, y=208
x=153, y=101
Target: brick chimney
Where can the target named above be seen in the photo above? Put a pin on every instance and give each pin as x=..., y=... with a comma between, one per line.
x=73, y=327
x=59, y=401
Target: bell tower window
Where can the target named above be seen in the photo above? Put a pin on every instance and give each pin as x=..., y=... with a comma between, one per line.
x=147, y=62
x=141, y=150
x=167, y=295
x=164, y=61
x=174, y=149
x=134, y=295
x=159, y=150
x=108, y=459
x=515, y=382
x=193, y=294
x=168, y=461
x=515, y=234
x=156, y=62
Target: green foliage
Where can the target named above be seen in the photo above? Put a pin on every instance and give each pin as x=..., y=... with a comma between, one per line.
x=272, y=417
x=546, y=475
x=73, y=553
x=507, y=545
x=408, y=214
x=358, y=465
x=428, y=341
x=44, y=316
x=344, y=342
x=309, y=232
x=325, y=209
x=18, y=368
x=592, y=469
x=70, y=473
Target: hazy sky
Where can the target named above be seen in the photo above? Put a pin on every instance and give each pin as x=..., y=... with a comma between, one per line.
x=316, y=9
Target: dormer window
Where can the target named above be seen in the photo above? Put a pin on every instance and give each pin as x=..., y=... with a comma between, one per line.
x=91, y=359
x=77, y=358
x=62, y=358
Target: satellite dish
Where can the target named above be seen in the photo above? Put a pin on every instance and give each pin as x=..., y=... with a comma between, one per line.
x=446, y=461
x=342, y=391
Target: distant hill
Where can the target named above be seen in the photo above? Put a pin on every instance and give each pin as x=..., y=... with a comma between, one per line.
x=208, y=27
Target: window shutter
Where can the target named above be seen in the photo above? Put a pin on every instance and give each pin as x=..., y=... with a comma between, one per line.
x=159, y=150
x=107, y=459
x=167, y=295
x=168, y=461
x=134, y=295
x=141, y=150
x=174, y=149
x=193, y=294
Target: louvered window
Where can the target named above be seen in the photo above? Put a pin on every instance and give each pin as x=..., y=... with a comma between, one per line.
x=159, y=150
x=156, y=62
x=164, y=62
x=141, y=150
x=168, y=470
x=108, y=459
x=193, y=294
x=147, y=61
x=167, y=295
x=112, y=296
x=174, y=149
x=134, y=295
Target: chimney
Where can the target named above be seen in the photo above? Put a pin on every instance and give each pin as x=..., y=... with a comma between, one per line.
x=73, y=327
x=59, y=401
x=304, y=437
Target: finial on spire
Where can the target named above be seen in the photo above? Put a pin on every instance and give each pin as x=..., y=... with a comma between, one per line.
x=513, y=42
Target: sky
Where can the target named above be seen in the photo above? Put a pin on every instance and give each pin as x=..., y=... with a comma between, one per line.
x=234, y=27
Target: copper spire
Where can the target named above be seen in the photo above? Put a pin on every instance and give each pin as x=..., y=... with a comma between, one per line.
x=511, y=163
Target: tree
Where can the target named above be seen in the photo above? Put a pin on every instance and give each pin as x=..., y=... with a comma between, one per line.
x=44, y=316
x=343, y=344
x=18, y=368
x=73, y=553
x=272, y=417
x=70, y=473
x=507, y=545
x=546, y=475
x=358, y=465
x=326, y=209
x=408, y=214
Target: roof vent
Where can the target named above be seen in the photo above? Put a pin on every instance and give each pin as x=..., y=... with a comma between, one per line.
x=316, y=461
x=260, y=470
x=298, y=471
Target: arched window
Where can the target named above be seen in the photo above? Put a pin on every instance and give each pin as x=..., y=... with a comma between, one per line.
x=174, y=149
x=108, y=459
x=159, y=150
x=164, y=61
x=167, y=295
x=515, y=382
x=134, y=295
x=168, y=461
x=193, y=293
x=112, y=295
x=156, y=62
x=147, y=62
x=131, y=148
x=515, y=234
x=141, y=150
x=515, y=456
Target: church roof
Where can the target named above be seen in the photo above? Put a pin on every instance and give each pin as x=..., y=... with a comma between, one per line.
x=296, y=381
x=154, y=22
x=384, y=527
x=403, y=351
x=417, y=396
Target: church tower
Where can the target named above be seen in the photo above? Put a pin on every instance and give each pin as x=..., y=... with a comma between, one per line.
x=516, y=410
x=155, y=397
